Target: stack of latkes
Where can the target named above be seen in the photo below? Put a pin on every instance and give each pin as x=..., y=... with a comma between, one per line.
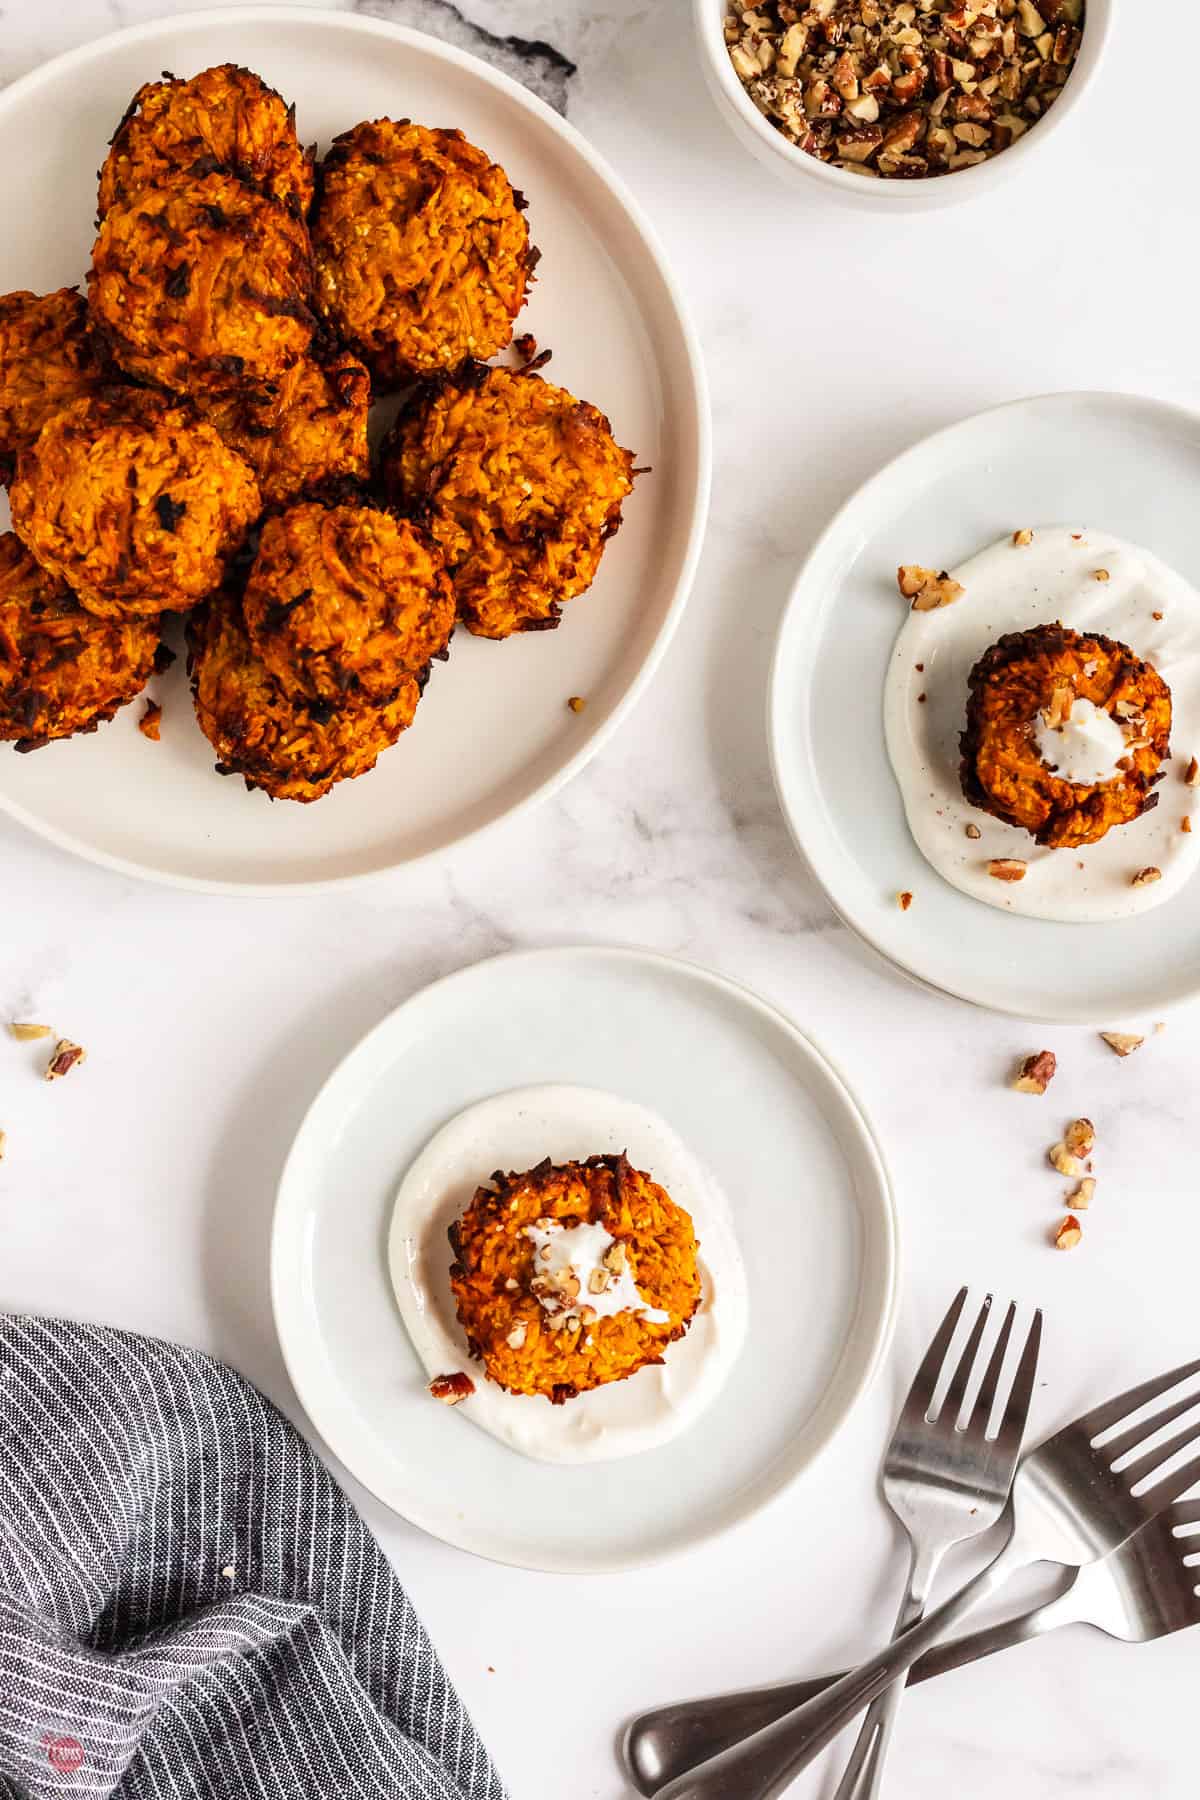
x=192, y=437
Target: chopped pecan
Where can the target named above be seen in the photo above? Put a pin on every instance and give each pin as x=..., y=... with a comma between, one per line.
x=926, y=588
x=1080, y=1137
x=26, y=1033
x=1124, y=1043
x=451, y=1389
x=1035, y=1073
x=66, y=1056
x=1007, y=868
x=1068, y=1234
x=1060, y=1158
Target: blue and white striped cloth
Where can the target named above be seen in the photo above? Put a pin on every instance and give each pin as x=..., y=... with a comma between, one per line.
x=190, y=1608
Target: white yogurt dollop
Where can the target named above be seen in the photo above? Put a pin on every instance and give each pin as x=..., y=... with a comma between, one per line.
x=1086, y=747
x=515, y=1131
x=584, y=1251
x=1011, y=587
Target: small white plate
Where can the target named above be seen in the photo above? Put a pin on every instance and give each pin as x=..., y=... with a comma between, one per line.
x=1121, y=463
x=753, y=1098
x=493, y=733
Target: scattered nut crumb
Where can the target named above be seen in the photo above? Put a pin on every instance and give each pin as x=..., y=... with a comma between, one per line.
x=1192, y=773
x=616, y=1257
x=926, y=588
x=512, y=1283
x=1035, y=1073
x=1146, y=877
x=1022, y=537
x=1007, y=868
x=516, y=1337
x=450, y=1389
x=150, y=723
x=974, y=833
x=597, y=1281
x=1101, y=575
x=25, y=1032
x=576, y=703
x=1068, y=1234
x=904, y=900
x=1123, y=1042
x=1156, y=615
x=1060, y=1158
x=1081, y=1199
x=66, y=1055
x=228, y=1572
x=1080, y=1137
x=1062, y=701
x=1187, y=824
x=921, y=699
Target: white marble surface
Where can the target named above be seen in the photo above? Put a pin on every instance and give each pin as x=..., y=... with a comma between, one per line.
x=140, y=1191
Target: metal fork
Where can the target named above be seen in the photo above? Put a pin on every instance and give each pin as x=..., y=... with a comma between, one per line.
x=1143, y=1590
x=1070, y=1504
x=946, y=1481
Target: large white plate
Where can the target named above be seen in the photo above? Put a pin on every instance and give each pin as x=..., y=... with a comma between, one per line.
x=752, y=1097
x=493, y=733
x=1129, y=465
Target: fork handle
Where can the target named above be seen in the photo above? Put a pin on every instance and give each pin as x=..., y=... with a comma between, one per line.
x=863, y=1775
x=672, y=1739
x=762, y=1767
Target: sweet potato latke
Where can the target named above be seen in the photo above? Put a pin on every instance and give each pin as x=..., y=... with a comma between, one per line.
x=520, y=483
x=133, y=502
x=422, y=252
x=346, y=600
x=319, y=438
x=192, y=436
x=225, y=118
x=46, y=361
x=291, y=749
x=202, y=284
x=62, y=670
x=1042, y=672
x=536, y=1329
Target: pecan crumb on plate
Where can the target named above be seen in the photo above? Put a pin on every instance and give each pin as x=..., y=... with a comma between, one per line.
x=450, y=1389
x=926, y=588
x=1123, y=1042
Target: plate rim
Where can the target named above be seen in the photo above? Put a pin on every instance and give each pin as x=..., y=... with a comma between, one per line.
x=289, y=1310
x=692, y=367
x=794, y=786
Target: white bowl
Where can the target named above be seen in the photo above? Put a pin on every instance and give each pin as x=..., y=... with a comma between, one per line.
x=797, y=167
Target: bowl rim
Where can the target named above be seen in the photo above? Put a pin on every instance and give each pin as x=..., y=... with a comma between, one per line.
x=709, y=18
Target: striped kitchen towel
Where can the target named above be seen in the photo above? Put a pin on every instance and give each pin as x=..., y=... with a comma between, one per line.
x=189, y=1605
